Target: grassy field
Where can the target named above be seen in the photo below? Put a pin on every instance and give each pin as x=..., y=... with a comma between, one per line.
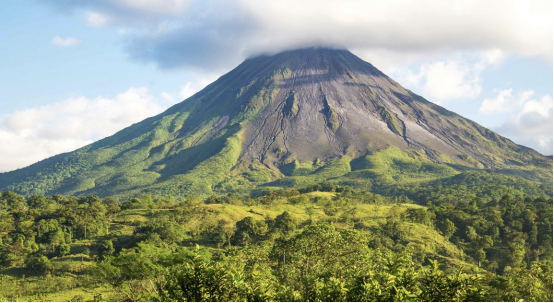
x=69, y=281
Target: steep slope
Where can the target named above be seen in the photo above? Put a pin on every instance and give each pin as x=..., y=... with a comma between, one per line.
x=314, y=111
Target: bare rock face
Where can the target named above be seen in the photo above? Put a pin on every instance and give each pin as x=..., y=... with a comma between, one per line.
x=314, y=104
x=330, y=103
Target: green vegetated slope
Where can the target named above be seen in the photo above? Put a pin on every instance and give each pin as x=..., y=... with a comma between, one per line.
x=394, y=172
x=287, y=120
x=181, y=150
x=320, y=242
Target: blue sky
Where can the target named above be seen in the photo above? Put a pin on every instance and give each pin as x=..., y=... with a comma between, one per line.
x=74, y=71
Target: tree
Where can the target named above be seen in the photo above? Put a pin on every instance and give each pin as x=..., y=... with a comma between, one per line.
x=419, y=215
x=63, y=250
x=106, y=249
x=112, y=205
x=86, y=252
x=471, y=234
x=37, y=201
x=310, y=211
x=56, y=239
x=447, y=227
x=436, y=286
x=219, y=237
x=284, y=223
x=229, y=230
x=6, y=224
x=168, y=230
x=516, y=251
x=493, y=266
x=479, y=244
x=521, y=284
x=394, y=227
x=319, y=251
x=39, y=263
x=13, y=202
x=222, y=234
x=228, y=280
x=89, y=199
x=533, y=233
x=133, y=203
x=247, y=232
x=482, y=243
x=300, y=199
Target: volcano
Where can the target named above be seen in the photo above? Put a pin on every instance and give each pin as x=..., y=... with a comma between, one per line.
x=293, y=118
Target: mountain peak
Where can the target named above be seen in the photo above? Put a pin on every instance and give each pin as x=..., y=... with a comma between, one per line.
x=274, y=116
x=317, y=58
x=313, y=51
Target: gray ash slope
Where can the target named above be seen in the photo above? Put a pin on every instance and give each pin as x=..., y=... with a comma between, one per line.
x=332, y=103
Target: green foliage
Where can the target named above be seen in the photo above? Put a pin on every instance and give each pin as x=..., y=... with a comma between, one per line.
x=284, y=223
x=39, y=263
x=533, y=284
x=470, y=186
x=440, y=287
x=447, y=227
x=344, y=270
x=106, y=249
x=163, y=228
x=392, y=121
x=320, y=251
x=391, y=167
x=63, y=250
x=320, y=242
x=498, y=231
x=248, y=231
x=225, y=280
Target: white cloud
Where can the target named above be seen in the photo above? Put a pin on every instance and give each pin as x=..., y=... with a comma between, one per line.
x=161, y=7
x=187, y=90
x=500, y=104
x=390, y=61
x=167, y=97
x=403, y=25
x=532, y=126
x=41, y=132
x=457, y=77
x=125, y=12
x=218, y=34
x=493, y=56
x=505, y=102
x=192, y=87
x=450, y=80
x=542, y=107
x=97, y=19
x=57, y=41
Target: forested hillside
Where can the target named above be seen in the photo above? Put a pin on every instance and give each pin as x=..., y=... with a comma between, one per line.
x=320, y=242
